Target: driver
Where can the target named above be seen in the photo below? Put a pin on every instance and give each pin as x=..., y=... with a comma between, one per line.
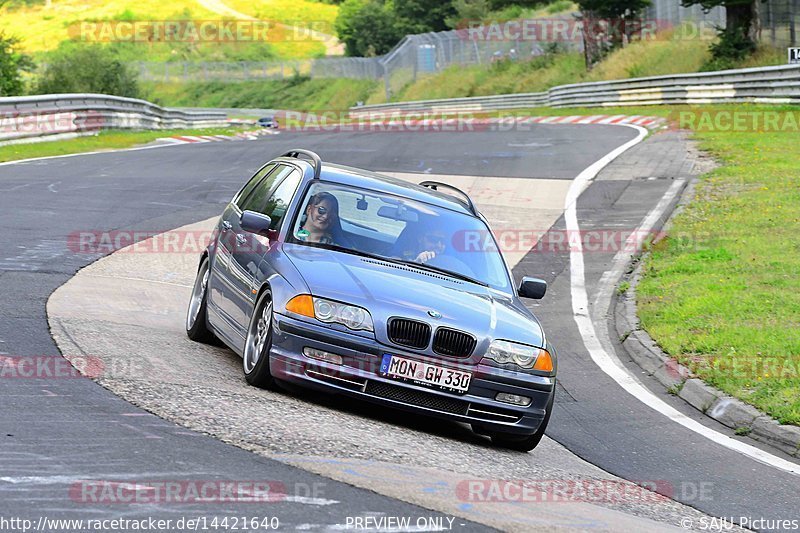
x=322, y=218
x=430, y=244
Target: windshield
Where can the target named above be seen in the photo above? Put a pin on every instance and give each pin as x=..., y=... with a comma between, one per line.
x=399, y=229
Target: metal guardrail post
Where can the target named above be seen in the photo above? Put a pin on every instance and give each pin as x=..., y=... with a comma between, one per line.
x=386, y=86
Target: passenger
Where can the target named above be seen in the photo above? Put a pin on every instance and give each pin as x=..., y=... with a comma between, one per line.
x=321, y=219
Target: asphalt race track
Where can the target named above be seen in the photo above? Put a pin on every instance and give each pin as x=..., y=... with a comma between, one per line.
x=58, y=432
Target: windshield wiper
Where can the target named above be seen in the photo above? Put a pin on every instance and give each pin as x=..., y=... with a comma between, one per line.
x=439, y=270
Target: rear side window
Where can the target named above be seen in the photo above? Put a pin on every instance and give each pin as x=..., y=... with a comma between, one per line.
x=247, y=189
x=257, y=199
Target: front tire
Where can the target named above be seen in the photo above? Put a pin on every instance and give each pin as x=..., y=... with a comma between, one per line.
x=529, y=442
x=258, y=344
x=196, y=316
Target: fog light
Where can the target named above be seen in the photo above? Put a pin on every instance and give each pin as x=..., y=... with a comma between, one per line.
x=323, y=356
x=513, y=399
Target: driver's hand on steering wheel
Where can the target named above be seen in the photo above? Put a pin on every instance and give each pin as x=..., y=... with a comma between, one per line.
x=425, y=256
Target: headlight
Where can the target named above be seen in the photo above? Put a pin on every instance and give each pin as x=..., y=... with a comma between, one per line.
x=353, y=317
x=527, y=357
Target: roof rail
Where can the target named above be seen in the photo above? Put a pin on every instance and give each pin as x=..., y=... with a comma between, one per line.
x=315, y=159
x=466, y=200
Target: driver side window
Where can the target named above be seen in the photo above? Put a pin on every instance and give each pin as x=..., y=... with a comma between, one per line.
x=254, y=181
x=257, y=200
x=279, y=202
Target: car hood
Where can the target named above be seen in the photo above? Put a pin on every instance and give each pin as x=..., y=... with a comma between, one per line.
x=389, y=290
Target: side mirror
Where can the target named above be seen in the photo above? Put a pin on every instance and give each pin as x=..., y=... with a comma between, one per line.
x=533, y=288
x=253, y=222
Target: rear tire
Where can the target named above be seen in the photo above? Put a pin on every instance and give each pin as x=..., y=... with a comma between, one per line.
x=197, y=316
x=255, y=360
x=528, y=442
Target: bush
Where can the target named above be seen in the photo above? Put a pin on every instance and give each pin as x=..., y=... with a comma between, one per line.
x=367, y=27
x=558, y=6
x=467, y=12
x=420, y=16
x=12, y=63
x=731, y=48
x=87, y=69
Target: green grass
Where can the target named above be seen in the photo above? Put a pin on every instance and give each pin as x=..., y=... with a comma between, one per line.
x=301, y=13
x=501, y=78
x=106, y=140
x=306, y=13
x=297, y=93
x=726, y=300
x=515, y=12
x=655, y=57
x=623, y=287
x=666, y=55
x=42, y=29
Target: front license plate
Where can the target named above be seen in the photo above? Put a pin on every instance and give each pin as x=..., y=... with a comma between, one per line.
x=426, y=374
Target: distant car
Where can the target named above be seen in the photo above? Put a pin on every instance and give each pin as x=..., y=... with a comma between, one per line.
x=268, y=122
x=351, y=282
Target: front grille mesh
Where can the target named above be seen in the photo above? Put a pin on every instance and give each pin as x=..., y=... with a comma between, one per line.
x=415, y=397
x=409, y=333
x=453, y=343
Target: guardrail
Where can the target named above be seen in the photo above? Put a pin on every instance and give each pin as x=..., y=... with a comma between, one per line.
x=773, y=85
x=28, y=118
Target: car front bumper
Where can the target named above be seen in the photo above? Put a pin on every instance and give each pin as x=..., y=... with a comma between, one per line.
x=358, y=377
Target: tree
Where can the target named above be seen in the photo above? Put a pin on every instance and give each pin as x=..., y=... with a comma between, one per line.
x=468, y=12
x=606, y=23
x=740, y=15
x=421, y=16
x=12, y=64
x=738, y=38
x=367, y=27
x=80, y=68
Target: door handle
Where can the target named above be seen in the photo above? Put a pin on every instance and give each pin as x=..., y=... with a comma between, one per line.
x=241, y=239
x=226, y=225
